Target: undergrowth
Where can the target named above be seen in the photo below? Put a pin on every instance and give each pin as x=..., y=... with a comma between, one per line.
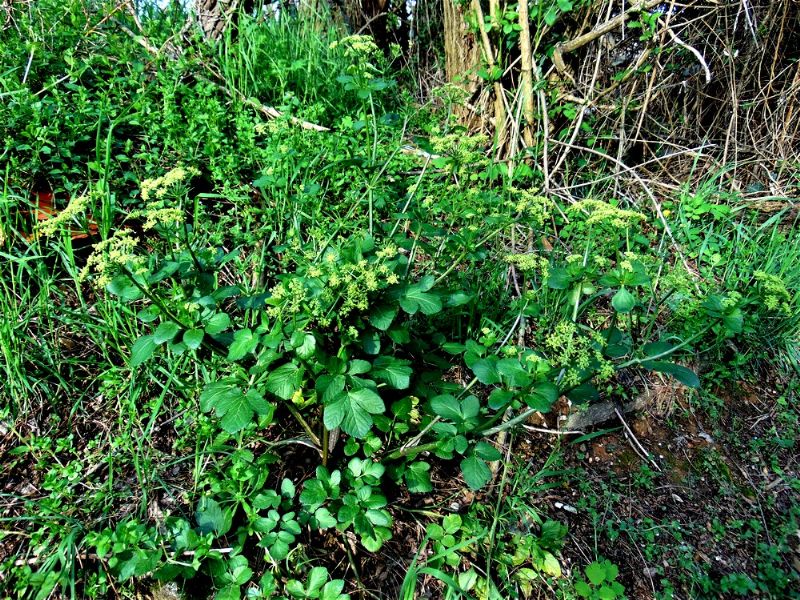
x=256, y=359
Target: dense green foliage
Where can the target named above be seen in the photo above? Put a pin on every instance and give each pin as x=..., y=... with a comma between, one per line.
x=239, y=341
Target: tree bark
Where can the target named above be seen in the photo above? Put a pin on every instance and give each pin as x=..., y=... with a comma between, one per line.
x=462, y=53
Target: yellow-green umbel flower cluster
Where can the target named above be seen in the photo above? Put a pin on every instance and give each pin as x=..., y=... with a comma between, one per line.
x=603, y=213
x=77, y=207
x=333, y=287
x=776, y=297
x=573, y=351
x=113, y=255
x=159, y=186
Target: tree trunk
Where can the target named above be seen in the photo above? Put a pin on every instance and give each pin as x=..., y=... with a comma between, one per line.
x=215, y=16
x=462, y=53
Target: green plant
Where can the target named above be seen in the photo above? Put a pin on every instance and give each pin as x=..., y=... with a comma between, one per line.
x=600, y=582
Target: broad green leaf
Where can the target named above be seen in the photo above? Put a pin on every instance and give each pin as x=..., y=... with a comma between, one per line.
x=447, y=407
x=382, y=317
x=683, y=374
x=333, y=591
x=371, y=342
x=582, y=589
x=358, y=407
x=418, y=477
x=596, y=573
x=165, y=332
x=623, y=301
x=306, y=349
x=142, y=350
x=543, y=396
x=316, y=579
x=215, y=391
x=244, y=342
x=229, y=592
x=394, y=371
x=325, y=519
x=485, y=370
x=235, y=411
x=193, y=338
x=583, y=394
x=211, y=518
x=415, y=298
x=218, y=323
x=285, y=380
x=558, y=279
x=476, y=472
x=335, y=412
x=486, y=451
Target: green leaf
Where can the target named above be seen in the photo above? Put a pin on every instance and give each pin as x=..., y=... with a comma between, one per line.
x=217, y=323
x=485, y=370
x=324, y=518
x=383, y=316
x=486, y=451
x=582, y=589
x=558, y=279
x=358, y=406
x=229, y=592
x=683, y=374
x=543, y=396
x=415, y=298
x=596, y=573
x=142, y=350
x=211, y=518
x=583, y=394
x=606, y=593
x=316, y=579
x=623, y=301
x=193, y=338
x=371, y=342
x=165, y=332
x=447, y=407
x=394, y=371
x=333, y=590
x=285, y=380
x=476, y=472
x=550, y=565
x=244, y=342
x=307, y=348
x=214, y=392
x=513, y=372
x=235, y=411
x=313, y=493
x=335, y=412
x=418, y=478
